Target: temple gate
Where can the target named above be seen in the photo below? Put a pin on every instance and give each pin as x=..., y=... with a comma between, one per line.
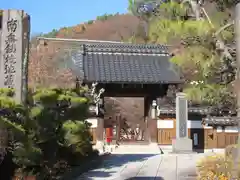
x=126, y=70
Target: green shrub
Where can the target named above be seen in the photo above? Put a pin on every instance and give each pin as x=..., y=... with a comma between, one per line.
x=49, y=134
x=77, y=134
x=51, y=34
x=90, y=22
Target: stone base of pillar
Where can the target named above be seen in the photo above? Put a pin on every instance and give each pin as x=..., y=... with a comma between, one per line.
x=182, y=145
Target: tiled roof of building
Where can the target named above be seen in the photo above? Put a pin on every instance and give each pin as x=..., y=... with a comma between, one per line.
x=220, y=121
x=125, y=48
x=125, y=63
x=194, y=110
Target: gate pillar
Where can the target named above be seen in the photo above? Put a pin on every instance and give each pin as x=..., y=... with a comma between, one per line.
x=151, y=121
x=99, y=134
x=152, y=127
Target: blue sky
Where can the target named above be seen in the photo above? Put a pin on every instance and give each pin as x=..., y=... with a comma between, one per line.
x=53, y=14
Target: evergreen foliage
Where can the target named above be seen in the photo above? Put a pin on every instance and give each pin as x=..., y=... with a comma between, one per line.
x=90, y=22
x=207, y=69
x=51, y=34
x=50, y=134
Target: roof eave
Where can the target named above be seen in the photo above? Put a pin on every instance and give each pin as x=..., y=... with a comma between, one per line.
x=132, y=82
x=220, y=121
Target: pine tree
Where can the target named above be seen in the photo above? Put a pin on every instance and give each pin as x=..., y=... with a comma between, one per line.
x=201, y=37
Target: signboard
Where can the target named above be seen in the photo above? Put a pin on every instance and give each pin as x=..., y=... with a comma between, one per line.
x=195, y=139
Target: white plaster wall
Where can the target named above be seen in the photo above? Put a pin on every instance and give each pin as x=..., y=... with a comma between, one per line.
x=219, y=129
x=168, y=124
x=93, y=121
x=194, y=124
x=231, y=129
x=207, y=127
x=165, y=124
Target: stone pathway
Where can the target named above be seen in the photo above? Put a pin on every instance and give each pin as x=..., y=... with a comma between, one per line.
x=146, y=166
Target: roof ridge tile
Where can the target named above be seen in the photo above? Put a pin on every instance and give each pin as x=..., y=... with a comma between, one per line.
x=126, y=48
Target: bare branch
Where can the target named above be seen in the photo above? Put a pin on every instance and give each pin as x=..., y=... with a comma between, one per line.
x=223, y=28
x=128, y=108
x=220, y=45
x=208, y=18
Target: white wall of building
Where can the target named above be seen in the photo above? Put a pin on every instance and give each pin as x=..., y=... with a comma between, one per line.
x=169, y=124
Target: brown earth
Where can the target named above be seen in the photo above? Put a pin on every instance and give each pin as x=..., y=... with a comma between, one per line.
x=47, y=66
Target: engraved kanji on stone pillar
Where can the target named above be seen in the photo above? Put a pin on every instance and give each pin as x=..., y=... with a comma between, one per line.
x=182, y=143
x=181, y=115
x=13, y=42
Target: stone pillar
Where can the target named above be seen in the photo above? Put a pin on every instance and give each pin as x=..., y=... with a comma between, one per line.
x=151, y=122
x=14, y=42
x=182, y=144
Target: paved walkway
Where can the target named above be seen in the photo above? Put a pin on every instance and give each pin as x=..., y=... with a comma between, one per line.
x=146, y=166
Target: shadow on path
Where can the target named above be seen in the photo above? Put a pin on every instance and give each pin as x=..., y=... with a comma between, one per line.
x=114, y=163
x=145, y=178
x=134, y=178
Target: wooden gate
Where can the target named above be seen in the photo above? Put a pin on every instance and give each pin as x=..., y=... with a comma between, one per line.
x=166, y=131
x=165, y=136
x=225, y=139
x=231, y=138
x=221, y=143
x=202, y=137
x=210, y=138
x=126, y=118
x=219, y=139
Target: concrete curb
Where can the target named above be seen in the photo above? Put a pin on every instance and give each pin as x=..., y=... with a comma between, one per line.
x=79, y=170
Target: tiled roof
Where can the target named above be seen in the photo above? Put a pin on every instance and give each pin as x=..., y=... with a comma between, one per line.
x=125, y=63
x=224, y=121
x=125, y=48
x=214, y=112
x=194, y=110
